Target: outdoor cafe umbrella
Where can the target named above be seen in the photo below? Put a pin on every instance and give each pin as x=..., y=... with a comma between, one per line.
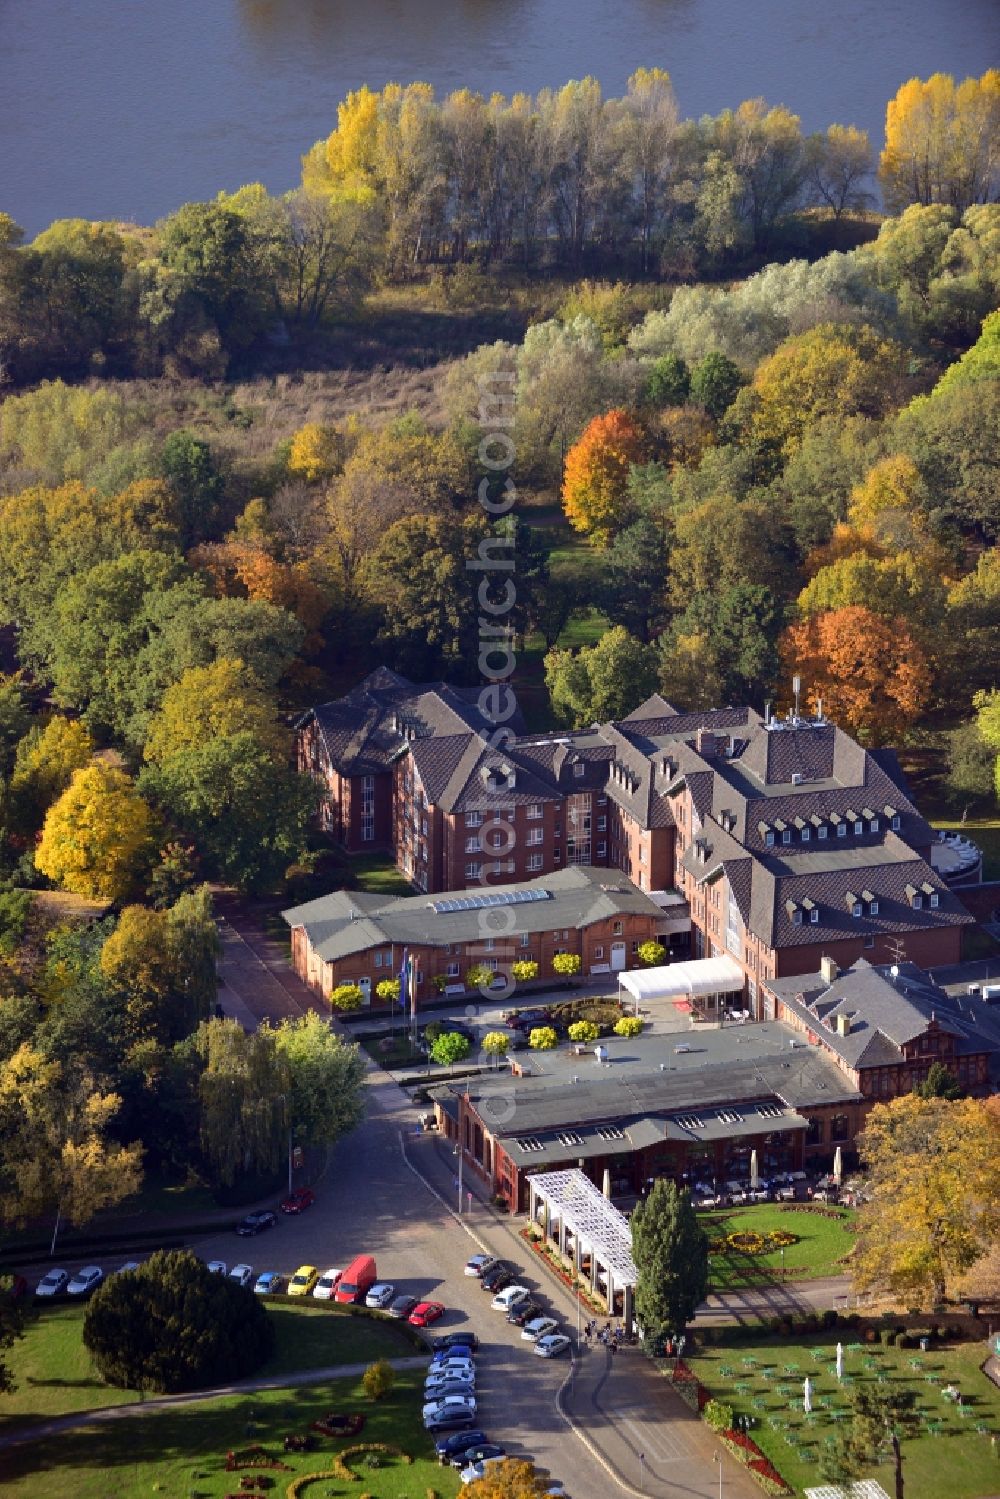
x=754, y=1174
x=840, y=1360
x=838, y=1165
x=807, y=1396
x=606, y=1189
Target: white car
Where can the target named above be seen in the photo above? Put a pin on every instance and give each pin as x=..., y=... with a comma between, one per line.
x=217, y=1267
x=435, y=1410
x=441, y=1373
x=85, y=1281
x=326, y=1287
x=242, y=1274
x=475, y=1471
x=128, y=1265
x=552, y=1345
x=538, y=1327
x=380, y=1295
x=478, y=1263
x=504, y=1300
x=53, y=1283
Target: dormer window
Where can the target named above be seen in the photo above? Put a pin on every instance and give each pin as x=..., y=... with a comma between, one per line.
x=841, y=829
x=873, y=825
x=894, y=822
x=806, y=834
x=769, y=839
x=857, y=909
x=578, y=769
x=873, y=908
x=814, y=916
x=871, y=901
x=935, y=899
x=794, y=911
x=821, y=832
x=859, y=828
x=796, y=917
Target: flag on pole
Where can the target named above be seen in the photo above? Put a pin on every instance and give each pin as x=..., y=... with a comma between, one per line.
x=404, y=973
x=412, y=988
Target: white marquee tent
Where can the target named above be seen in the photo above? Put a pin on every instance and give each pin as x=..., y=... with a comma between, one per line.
x=700, y=977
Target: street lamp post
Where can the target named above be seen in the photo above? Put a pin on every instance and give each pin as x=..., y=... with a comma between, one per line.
x=717, y=1458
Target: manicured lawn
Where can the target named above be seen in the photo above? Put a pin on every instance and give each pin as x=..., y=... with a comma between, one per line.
x=377, y=874
x=181, y=1453
x=822, y=1242
x=952, y=1456
x=54, y=1375
x=399, y=1052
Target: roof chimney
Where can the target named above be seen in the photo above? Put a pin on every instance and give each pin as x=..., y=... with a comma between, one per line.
x=843, y=1025
x=828, y=969
x=706, y=742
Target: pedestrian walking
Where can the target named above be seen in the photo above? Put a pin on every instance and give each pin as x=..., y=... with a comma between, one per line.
x=614, y=1347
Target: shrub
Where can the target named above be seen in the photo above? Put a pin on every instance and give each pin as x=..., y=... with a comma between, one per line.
x=347, y=997
x=629, y=1025
x=543, y=1038
x=479, y=977
x=652, y=953
x=584, y=1030
x=378, y=1380
x=172, y=1325
x=449, y=1047
x=829, y=1318
x=524, y=970
x=566, y=964
x=388, y=990
x=719, y=1415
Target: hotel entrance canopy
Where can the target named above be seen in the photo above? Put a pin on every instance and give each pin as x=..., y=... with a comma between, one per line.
x=693, y=980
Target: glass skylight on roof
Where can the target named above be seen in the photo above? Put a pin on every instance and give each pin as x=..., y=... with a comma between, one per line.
x=494, y=898
x=530, y=1143
x=768, y=1111
x=690, y=1121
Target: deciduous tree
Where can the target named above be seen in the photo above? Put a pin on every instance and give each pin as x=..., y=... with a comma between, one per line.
x=670, y=1250
x=213, y=702
x=450, y=1047
x=602, y=681
x=872, y=676
x=595, y=482
x=934, y=1172
x=942, y=142
x=326, y=1076
x=98, y=838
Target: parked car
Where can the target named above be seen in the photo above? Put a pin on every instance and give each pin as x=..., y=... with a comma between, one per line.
x=52, y=1283
x=381, y=1295
x=505, y=1299
x=552, y=1345
x=424, y=1313
x=401, y=1307
x=457, y=1384
x=299, y=1200
x=475, y=1471
x=216, y=1267
x=303, y=1281
x=437, y=1410
x=357, y=1280
x=453, y=1446
x=524, y=1310
x=268, y=1284
x=447, y=1415
x=460, y=1338
x=499, y=1274
x=524, y=1020
x=241, y=1274
x=538, y=1327
x=124, y=1269
x=446, y=1367
x=85, y=1281
x=255, y=1223
x=478, y=1452
x=327, y=1284
x=479, y=1264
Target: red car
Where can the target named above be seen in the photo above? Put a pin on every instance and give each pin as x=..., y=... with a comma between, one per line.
x=299, y=1200
x=424, y=1313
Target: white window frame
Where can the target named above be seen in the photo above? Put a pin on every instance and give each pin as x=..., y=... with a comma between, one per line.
x=535, y=862
x=473, y=871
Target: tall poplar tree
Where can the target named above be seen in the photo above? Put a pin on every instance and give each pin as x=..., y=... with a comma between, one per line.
x=670, y=1250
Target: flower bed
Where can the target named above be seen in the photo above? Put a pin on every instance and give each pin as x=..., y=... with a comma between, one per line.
x=746, y=1451
x=689, y=1387
x=337, y=1424
x=751, y=1242
x=253, y=1457
x=550, y=1257
x=341, y=1469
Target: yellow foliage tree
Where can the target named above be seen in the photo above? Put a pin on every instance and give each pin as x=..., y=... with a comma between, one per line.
x=98, y=838
x=513, y=1478
x=316, y=452
x=213, y=702
x=45, y=762
x=831, y=370
x=595, y=479
x=54, y=1146
x=934, y=1169
x=942, y=142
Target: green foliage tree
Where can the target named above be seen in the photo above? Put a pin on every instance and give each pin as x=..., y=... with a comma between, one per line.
x=542, y=1038
x=326, y=1076
x=670, y=1250
x=632, y=592
x=417, y=578
x=187, y=465
x=602, y=681
x=668, y=382
x=972, y=766
x=98, y=838
x=450, y=1047
x=939, y=1083
x=172, y=1325
x=715, y=383
x=246, y=814
x=46, y=760
x=881, y=1420
x=243, y=1093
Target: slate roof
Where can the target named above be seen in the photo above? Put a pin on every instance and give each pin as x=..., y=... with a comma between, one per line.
x=344, y=923
x=886, y=1012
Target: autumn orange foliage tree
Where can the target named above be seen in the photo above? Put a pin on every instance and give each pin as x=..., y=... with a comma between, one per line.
x=595, y=478
x=872, y=676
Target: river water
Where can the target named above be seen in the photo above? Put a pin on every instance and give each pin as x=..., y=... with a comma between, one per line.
x=123, y=109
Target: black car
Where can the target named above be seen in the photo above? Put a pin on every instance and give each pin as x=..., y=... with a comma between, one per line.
x=524, y=1020
x=449, y=1447
x=496, y=1277
x=255, y=1223
x=523, y=1311
x=455, y=1340
x=479, y=1453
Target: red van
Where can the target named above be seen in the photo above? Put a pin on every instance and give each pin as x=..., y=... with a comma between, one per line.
x=357, y=1280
